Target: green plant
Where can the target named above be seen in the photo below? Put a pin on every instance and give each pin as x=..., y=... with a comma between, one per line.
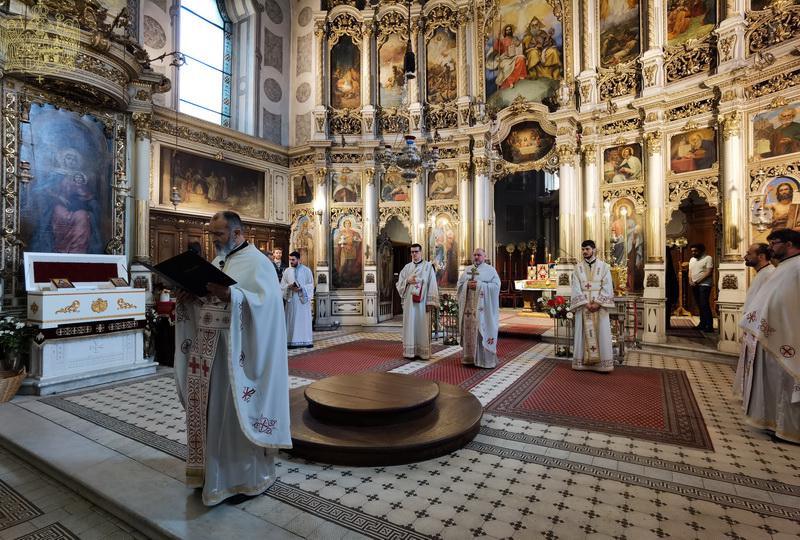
x=15, y=337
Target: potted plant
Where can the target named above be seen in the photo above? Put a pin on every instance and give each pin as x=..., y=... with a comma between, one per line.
x=15, y=336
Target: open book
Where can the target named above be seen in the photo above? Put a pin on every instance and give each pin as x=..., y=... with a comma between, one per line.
x=191, y=272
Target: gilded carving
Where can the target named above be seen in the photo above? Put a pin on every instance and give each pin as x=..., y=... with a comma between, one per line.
x=369, y=176
x=774, y=84
x=652, y=281
x=706, y=186
x=589, y=154
x=345, y=122
x=72, y=308
x=634, y=193
x=34, y=308
x=563, y=280
x=141, y=124
x=441, y=116
x=122, y=304
x=687, y=59
x=321, y=175
x=392, y=120
x=731, y=124
x=652, y=140
x=566, y=154
x=621, y=80
x=758, y=177
x=402, y=213
x=779, y=22
x=690, y=109
x=100, y=305
x=481, y=165
x=346, y=157
x=586, y=91
x=725, y=47
x=620, y=126
x=730, y=281
x=344, y=24
x=650, y=75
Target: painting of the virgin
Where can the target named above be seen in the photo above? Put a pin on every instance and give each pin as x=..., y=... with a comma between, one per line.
x=67, y=206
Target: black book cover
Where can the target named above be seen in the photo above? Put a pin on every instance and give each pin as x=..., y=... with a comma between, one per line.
x=191, y=272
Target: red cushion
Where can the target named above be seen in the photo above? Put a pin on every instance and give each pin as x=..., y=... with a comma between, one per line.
x=77, y=272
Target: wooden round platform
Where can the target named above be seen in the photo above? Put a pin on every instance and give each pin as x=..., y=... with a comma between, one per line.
x=370, y=398
x=448, y=422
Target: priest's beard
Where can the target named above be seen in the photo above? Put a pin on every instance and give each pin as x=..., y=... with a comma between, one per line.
x=227, y=247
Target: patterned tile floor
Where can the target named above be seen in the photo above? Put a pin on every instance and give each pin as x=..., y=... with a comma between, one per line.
x=517, y=479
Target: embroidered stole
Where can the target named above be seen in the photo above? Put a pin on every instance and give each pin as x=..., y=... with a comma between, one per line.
x=214, y=318
x=471, y=323
x=591, y=350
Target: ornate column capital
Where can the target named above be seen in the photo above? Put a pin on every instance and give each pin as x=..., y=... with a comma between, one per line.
x=652, y=140
x=141, y=124
x=320, y=28
x=481, y=165
x=464, y=168
x=369, y=176
x=589, y=154
x=731, y=124
x=464, y=16
x=566, y=154
x=321, y=174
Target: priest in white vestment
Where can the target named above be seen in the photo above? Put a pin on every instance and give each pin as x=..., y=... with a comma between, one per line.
x=771, y=388
x=420, y=294
x=757, y=257
x=231, y=370
x=592, y=298
x=479, y=312
x=297, y=284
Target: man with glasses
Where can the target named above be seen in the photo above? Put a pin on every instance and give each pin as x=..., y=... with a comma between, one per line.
x=771, y=325
x=420, y=293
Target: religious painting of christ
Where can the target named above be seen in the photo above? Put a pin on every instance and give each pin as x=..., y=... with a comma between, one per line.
x=68, y=205
x=208, y=185
x=443, y=247
x=526, y=142
x=779, y=208
x=620, y=31
x=523, y=52
x=347, y=260
x=442, y=66
x=777, y=132
x=626, y=242
x=390, y=71
x=693, y=151
x=690, y=19
x=345, y=74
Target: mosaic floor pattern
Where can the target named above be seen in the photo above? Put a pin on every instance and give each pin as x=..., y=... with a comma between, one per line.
x=517, y=479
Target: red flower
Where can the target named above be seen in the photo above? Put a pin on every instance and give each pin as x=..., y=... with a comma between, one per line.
x=551, y=303
x=559, y=300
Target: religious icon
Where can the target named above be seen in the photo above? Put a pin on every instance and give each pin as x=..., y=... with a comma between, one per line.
x=620, y=32
x=390, y=71
x=442, y=66
x=627, y=242
x=777, y=132
x=118, y=282
x=303, y=194
x=443, y=246
x=622, y=163
x=347, y=260
x=345, y=74
x=67, y=206
x=779, y=208
x=693, y=151
x=526, y=142
x=442, y=184
x=690, y=19
x=524, y=52
x=302, y=240
x=394, y=187
x=346, y=187
x=62, y=283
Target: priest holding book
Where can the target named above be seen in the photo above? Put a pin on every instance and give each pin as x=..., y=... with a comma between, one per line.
x=420, y=295
x=231, y=371
x=297, y=284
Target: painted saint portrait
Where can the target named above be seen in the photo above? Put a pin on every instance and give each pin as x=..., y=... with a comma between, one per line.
x=347, y=260
x=443, y=247
x=777, y=132
x=67, y=206
x=524, y=53
x=442, y=184
x=302, y=240
x=627, y=242
x=690, y=19
x=302, y=191
x=394, y=187
x=622, y=163
x=390, y=69
x=780, y=207
x=208, y=185
x=620, y=35
x=693, y=151
x=442, y=67
x=345, y=74
x=346, y=187
x=526, y=142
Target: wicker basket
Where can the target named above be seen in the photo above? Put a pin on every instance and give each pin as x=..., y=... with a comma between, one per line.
x=10, y=383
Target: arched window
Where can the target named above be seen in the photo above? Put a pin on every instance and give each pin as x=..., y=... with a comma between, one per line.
x=205, y=79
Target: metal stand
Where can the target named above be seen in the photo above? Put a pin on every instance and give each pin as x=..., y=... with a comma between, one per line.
x=564, y=333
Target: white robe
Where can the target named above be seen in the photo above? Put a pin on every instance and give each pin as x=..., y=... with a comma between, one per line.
x=744, y=367
x=592, y=346
x=298, y=305
x=416, y=318
x=771, y=394
x=479, y=316
x=232, y=375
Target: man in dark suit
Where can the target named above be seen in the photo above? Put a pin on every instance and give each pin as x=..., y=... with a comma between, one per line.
x=277, y=260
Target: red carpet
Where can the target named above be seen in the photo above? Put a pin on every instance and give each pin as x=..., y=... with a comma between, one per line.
x=639, y=402
x=354, y=357
x=524, y=329
x=450, y=370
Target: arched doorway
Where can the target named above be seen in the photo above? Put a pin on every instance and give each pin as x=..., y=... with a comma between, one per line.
x=393, y=254
x=694, y=221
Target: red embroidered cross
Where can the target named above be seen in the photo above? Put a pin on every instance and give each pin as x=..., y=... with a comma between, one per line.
x=588, y=286
x=751, y=316
x=787, y=351
x=205, y=369
x=194, y=365
x=247, y=393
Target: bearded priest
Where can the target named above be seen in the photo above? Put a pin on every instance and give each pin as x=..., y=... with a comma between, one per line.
x=420, y=294
x=231, y=371
x=592, y=298
x=297, y=284
x=479, y=312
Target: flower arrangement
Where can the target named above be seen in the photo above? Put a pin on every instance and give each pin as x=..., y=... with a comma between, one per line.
x=15, y=336
x=557, y=307
x=448, y=314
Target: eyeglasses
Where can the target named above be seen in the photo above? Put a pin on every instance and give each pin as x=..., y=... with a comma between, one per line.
x=415, y=251
x=773, y=242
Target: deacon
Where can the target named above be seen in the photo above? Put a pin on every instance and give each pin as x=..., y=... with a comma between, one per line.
x=592, y=298
x=277, y=260
x=771, y=395
x=420, y=293
x=298, y=291
x=758, y=256
x=479, y=312
x=231, y=371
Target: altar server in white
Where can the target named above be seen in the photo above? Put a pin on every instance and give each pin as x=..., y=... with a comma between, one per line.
x=231, y=371
x=592, y=298
x=420, y=293
x=771, y=326
x=298, y=291
x=479, y=312
x=758, y=257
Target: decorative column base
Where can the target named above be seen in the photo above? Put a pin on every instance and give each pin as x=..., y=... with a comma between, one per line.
x=731, y=44
x=732, y=293
x=564, y=272
x=655, y=316
x=587, y=89
x=322, y=316
x=320, y=128
x=415, y=119
x=370, y=295
x=369, y=124
x=652, y=72
x=464, y=112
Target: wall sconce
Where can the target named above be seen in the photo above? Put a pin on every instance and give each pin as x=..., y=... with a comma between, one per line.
x=175, y=197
